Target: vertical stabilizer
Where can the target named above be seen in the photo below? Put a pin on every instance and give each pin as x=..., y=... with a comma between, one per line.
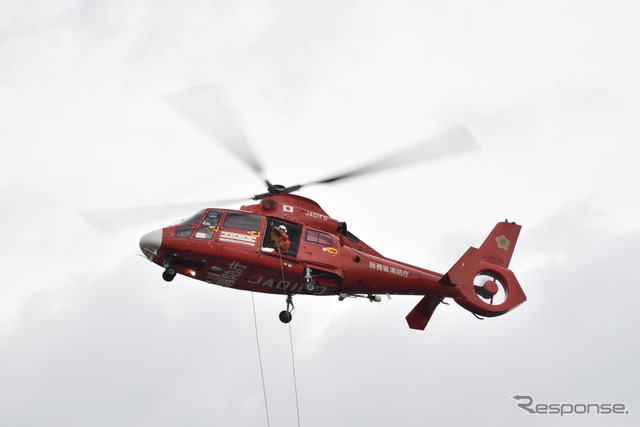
x=499, y=246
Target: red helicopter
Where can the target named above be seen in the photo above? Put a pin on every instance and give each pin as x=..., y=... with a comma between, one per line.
x=286, y=244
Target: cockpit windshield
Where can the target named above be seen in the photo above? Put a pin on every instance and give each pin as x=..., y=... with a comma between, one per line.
x=195, y=219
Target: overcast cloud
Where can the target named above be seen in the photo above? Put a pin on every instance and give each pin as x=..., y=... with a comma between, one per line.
x=91, y=335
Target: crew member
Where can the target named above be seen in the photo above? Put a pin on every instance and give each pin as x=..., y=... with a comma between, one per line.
x=281, y=239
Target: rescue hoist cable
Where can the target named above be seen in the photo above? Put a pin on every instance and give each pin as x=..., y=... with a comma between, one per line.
x=293, y=359
x=295, y=383
x=264, y=389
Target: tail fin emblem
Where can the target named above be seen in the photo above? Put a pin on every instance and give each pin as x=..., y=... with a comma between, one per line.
x=503, y=242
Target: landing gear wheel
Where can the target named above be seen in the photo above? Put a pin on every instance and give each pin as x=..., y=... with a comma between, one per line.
x=285, y=316
x=309, y=288
x=169, y=274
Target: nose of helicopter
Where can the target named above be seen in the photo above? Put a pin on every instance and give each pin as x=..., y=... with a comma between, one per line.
x=150, y=243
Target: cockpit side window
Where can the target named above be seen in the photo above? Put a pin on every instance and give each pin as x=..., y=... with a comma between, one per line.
x=204, y=233
x=212, y=218
x=209, y=225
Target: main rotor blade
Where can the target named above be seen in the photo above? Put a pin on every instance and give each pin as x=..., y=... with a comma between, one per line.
x=454, y=141
x=120, y=219
x=206, y=106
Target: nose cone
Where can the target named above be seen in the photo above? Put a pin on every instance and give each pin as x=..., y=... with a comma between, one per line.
x=150, y=243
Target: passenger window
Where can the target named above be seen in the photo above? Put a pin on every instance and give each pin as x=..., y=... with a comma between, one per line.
x=242, y=221
x=204, y=233
x=318, y=238
x=212, y=218
x=184, y=231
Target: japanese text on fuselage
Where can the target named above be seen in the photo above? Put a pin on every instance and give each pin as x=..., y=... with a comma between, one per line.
x=388, y=269
x=228, y=277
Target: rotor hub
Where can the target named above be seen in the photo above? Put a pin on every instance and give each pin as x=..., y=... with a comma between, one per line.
x=491, y=287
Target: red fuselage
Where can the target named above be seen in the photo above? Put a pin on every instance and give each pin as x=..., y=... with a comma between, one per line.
x=235, y=248
x=288, y=245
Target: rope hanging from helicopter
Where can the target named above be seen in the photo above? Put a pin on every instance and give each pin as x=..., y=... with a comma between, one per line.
x=293, y=363
x=264, y=389
x=293, y=359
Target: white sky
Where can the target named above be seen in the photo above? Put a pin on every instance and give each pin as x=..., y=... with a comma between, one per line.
x=91, y=335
